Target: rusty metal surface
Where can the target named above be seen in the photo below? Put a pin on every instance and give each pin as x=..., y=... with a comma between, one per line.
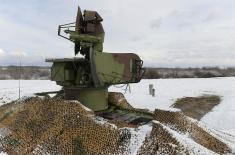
x=127, y=117
x=124, y=58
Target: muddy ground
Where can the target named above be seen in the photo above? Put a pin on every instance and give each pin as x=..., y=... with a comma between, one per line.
x=197, y=107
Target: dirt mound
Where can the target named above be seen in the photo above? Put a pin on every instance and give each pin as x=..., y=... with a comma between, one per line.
x=197, y=107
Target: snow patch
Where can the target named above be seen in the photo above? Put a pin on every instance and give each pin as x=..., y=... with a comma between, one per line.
x=84, y=107
x=185, y=140
x=138, y=136
x=169, y=90
x=9, y=89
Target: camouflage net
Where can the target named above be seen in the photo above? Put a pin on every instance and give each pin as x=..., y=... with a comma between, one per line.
x=55, y=126
x=59, y=127
x=161, y=141
x=179, y=122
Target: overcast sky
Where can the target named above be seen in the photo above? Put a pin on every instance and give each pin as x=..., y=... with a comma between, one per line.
x=169, y=33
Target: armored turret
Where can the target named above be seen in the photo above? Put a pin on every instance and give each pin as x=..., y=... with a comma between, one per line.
x=87, y=78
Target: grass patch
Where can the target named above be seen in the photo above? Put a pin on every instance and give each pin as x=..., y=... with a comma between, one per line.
x=78, y=149
x=4, y=116
x=197, y=107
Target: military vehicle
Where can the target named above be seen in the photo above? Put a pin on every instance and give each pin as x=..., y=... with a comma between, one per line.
x=87, y=78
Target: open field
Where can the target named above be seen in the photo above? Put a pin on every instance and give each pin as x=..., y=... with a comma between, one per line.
x=9, y=89
x=217, y=126
x=167, y=92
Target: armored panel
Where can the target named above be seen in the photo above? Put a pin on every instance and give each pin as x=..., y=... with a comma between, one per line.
x=57, y=71
x=93, y=98
x=116, y=68
x=71, y=72
x=79, y=21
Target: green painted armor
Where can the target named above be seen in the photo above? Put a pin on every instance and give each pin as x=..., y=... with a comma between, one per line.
x=87, y=78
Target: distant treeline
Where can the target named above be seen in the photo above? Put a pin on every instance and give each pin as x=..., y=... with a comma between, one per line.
x=204, y=72
x=24, y=72
x=43, y=73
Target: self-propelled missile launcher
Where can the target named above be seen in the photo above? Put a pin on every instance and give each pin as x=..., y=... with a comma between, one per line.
x=87, y=78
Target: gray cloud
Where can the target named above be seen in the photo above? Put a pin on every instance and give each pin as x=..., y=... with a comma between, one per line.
x=189, y=33
x=137, y=38
x=155, y=24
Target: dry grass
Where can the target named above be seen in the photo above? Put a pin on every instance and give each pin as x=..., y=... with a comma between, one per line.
x=197, y=107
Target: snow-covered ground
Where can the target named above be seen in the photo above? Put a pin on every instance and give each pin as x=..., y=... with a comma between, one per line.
x=167, y=91
x=9, y=89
